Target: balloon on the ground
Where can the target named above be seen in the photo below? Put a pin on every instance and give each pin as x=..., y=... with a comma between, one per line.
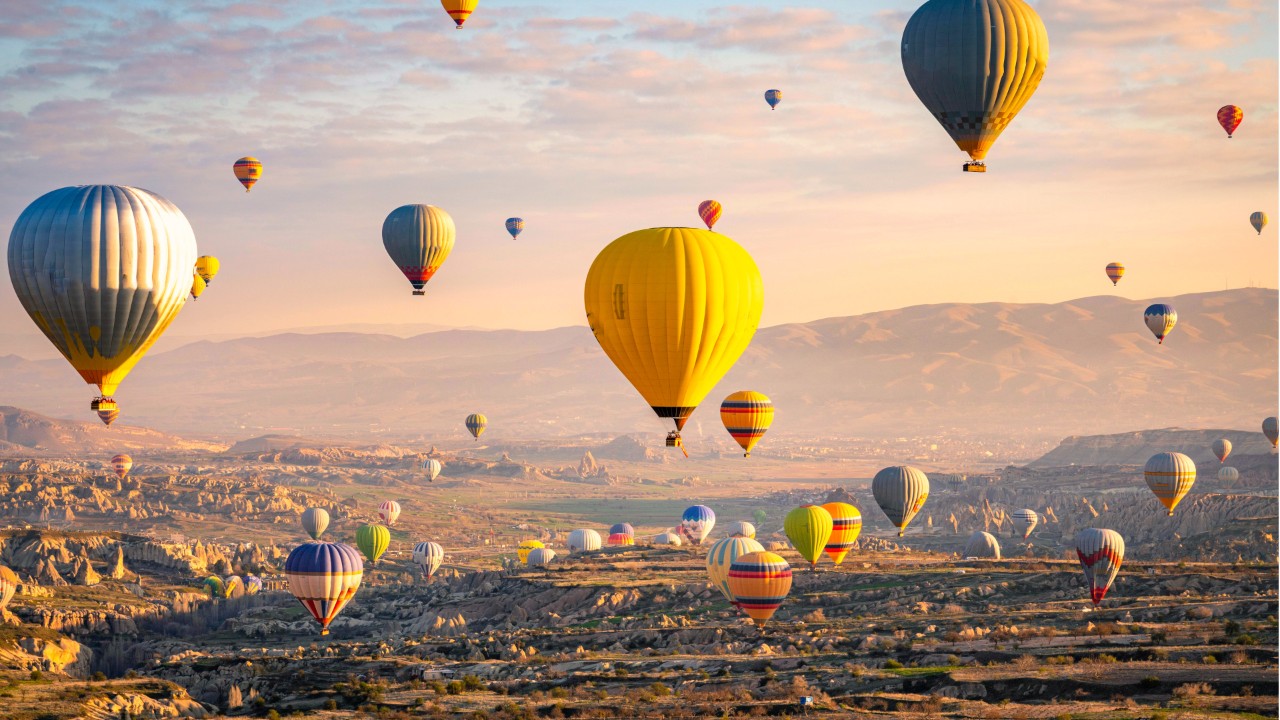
x=104, y=281
x=373, y=541
x=1115, y=271
x=808, y=528
x=720, y=557
x=584, y=540
x=248, y=170
x=747, y=415
x=459, y=10
x=1100, y=553
x=419, y=239
x=773, y=97
x=1160, y=319
x=428, y=556
x=900, y=491
x=624, y=528
x=121, y=464
x=476, y=423
x=252, y=584
x=315, y=521
x=759, y=583
x=1229, y=117
x=525, y=547
x=1025, y=521
x=982, y=545
x=389, y=511
x=540, y=557
x=231, y=585
x=696, y=523
x=1221, y=449
x=742, y=529
x=846, y=525
x=1170, y=476
x=974, y=64
x=667, y=538
x=213, y=585
x=324, y=577
x=620, y=539
x=709, y=211
x=515, y=226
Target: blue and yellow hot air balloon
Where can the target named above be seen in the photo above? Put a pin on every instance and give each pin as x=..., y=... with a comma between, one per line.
x=773, y=97
x=901, y=492
x=515, y=226
x=747, y=415
x=418, y=238
x=1160, y=319
x=1258, y=220
x=476, y=423
x=324, y=576
x=252, y=584
x=759, y=582
x=373, y=540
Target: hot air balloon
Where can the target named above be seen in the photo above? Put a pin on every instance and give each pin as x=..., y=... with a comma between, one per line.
x=419, y=239
x=759, y=582
x=389, y=511
x=1269, y=429
x=1229, y=117
x=8, y=586
x=623, y=528
x=213, y=585
x=673, y=308
x=515, y=226
x=1160, y=319
x=667, y=538
x=372, y=540
x=742, y=529
x=252, y=584
x=248, y=171
x=459, y=10
x=103, y=281
x=315, y=521
x=846, y=525
x=1115, y=271
x=720, y=557
x=773, y=97
x=584, y=540
x=981, y=545
x=974, y=64
x=198, y=286
x=428, y=556
x=900, y=491
x=1100, y=553
x=618, y=539
x=1228, y=474
x=809, y=528
x=207, y=267
x=122, y=464
x=1221, y=449
x=1026, y=521
x=1258, y=220
x=522, y=550
x=539, y=557
x=696, y=523
x=476, y=423
x=747, y=414
x=432, y=468
x=231, y=585
x=1170, y=476
x=324, y=577
x=709, y=211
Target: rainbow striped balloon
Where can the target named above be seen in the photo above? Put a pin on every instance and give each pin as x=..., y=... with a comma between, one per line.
x=747, y=414
x=616, y=539
x=1115, y=271
x=846, y=525
x=709, y=211
x=759, y=582
x=1170, y=476
x=121, y=464
x=248, y=171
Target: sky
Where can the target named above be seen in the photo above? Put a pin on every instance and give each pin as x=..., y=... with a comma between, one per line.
x=591, y=120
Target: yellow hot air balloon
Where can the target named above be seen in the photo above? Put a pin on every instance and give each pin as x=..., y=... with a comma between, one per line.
x=1170, y=476
x=197, y=286
x=459, y=10
x=525, y=547
x=747, y=414
x=248, y=170
x=206, y=267
x=809, y=528
x=674, y=308
x=1115, y=271
x=846, y=525
x=974, y=64
x=105, y=280
x=759, y=582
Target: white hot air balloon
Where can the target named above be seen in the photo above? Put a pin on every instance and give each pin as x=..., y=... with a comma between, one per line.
x=584, y=540
x=1025, y=520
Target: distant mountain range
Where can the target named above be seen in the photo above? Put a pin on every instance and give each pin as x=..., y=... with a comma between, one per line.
x=1134, y=448
x=1043, y=371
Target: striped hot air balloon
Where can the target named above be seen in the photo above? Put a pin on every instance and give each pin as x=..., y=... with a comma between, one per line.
x=252, y=584
x=8, y=586
x=515, y=226
x=1115, y=271
x=324, y=577
x=525, y=547
x=389, y=511
x=1228, y=474
x=846, y=525
x=619, y=539
x=1100, y=553
x=373, y=540
x=584, y=540
x=476, y=423
x=539, y=557
x=720, y=557
x=747, y=414
x=1160, y=319
x=232, y=586
x=106, y=409
x=709, y=211
x=742, y=529
x=419, y=239
x=121, y=464
x=809, y=528
x=900, y=491
x=773, y=97
x=1229, y=117
x=315, y=521
x=1221, y=449
x=1025, y=520
x=213, y=585
x=459, y=10
x=248, y=171
x=432, y=468
x=1170, y=476
x=624, y=528
x=981, y=545
x=696, y=523
x=1269, y=429
x=428, y=556
x=1258, y=220
x=759, y=583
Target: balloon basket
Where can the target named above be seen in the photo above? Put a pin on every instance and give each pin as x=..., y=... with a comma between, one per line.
x=975, y=166
x=419, y=292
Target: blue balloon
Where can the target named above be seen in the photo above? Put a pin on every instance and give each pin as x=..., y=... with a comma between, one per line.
x=622, y=529
x=324, y=576
x=773, y=97
x=515, y=226
x=696, y=523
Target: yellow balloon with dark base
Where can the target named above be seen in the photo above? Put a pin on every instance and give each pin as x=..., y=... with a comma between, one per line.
x=198, y=286
x=674, y=309
x=459, y=10
x=846, y=525
x=207, y=267
x=809, y=528
x=747, y=415
x=759, y=582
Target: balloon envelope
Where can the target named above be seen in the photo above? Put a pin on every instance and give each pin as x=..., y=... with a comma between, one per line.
x=720, y=557
x=617, y=539
x=1115, y=271
x=900, y=491
x=982, y=545
x=1270, y=430
x=389, y=511
x=709, y=211
x=1160, y=319
x=1221, y=449
x=525, y=547
x=1170, y=476
x=808, y=528
x=540, y=557
x=459, y=10
x=515, y=226
x=432, y=468
x=121, y=464
x=773, y=97
x=584, y=540
x=1229, y=117
x=624, y=528
x=252, y=584
x=232, y=585
x=1026, y=521
x=1258, y=220
x=742, y=529
x=846, y=525
x=759, y=583
x=324, y=577
x=428, y=556
x=696, y=523
x=8, y=586
x=476, y=423
x=248, y=170
x=419, y=239
x=315, y=521
x=747, y=415
x=1228, y=474
x=373, y=540
x=667, y=538
x=206, y=267
x=1100, y=553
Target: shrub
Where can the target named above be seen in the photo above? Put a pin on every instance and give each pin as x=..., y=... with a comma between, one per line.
x=1246, y=639
x=273, y=714
x=1191, y=690
x=892, y=664
x=1149, y=682
x=1209, y=659
x=559, y=693
x=472, y=683
x=438, y=687
x=36, y=674
x=659, y=689
x=330, y=704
